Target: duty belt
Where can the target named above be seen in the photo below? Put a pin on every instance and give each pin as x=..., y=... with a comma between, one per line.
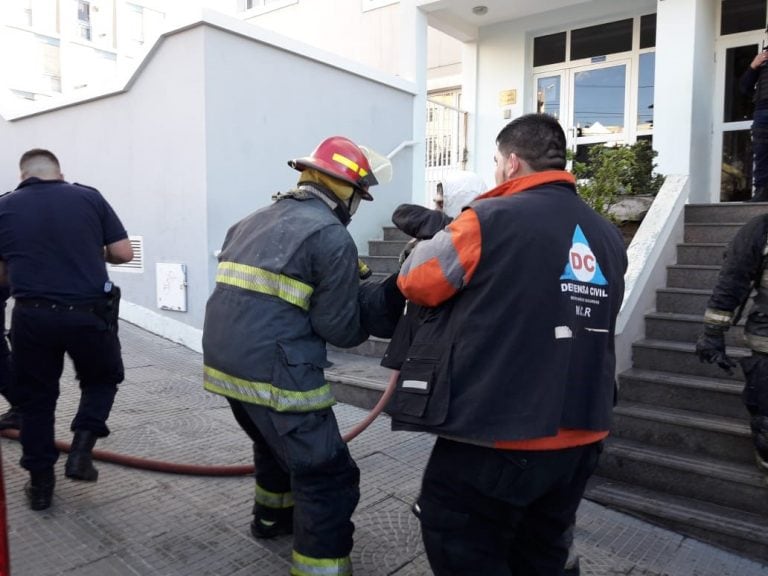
x=52, y=305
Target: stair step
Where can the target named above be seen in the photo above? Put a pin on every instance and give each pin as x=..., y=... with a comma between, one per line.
x=372, y=348
x=356, y=380
x=394, y=233
x=680, y=357
x=692, y=275
x=386, y=247
x=721, y=482
x=382, y=264
x=722, y=526
x=731, y=213
x=683, y=300
x=702, y=254
x=707, y=434
x=706, y=232
x=716, y=396
x=686, y=328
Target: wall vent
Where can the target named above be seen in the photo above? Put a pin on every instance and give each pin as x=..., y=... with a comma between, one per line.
x=135, y=265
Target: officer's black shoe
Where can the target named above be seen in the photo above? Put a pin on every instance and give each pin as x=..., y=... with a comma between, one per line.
x=572, y=568
x=39, y=489
x=280, y=524
x=80, y=462
x=760, y=195
x=11, y=420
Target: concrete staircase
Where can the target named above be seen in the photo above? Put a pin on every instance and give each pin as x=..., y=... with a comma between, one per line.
x=680, y=452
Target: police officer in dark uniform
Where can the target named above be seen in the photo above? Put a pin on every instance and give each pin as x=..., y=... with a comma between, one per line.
x=54, y=240
x=754, y=82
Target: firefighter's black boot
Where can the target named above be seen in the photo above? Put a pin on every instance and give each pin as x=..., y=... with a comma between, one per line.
x=39, y=488
x=760, y=195
x=80, y=462
x=270, y=522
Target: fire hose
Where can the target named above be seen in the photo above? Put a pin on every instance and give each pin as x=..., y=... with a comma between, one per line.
x=213, y=470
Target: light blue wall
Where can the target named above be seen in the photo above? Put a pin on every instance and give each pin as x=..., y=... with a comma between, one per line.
x=265, y=105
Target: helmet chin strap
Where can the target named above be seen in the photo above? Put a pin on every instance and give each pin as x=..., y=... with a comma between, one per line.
x=353, y=203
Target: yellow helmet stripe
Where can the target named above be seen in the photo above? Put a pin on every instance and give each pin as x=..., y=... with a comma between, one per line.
x=351, y=164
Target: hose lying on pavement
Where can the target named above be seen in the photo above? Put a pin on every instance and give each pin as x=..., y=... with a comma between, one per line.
x=212, y=470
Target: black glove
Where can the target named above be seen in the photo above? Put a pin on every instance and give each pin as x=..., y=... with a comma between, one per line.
x=407, y=250
x=710, y=347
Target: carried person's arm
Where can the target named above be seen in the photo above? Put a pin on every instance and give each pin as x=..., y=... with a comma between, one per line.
x=438, y=268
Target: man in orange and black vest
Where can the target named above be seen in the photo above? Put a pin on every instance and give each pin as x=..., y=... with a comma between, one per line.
x=515, y=370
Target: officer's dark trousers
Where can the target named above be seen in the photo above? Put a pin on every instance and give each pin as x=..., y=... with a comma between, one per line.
x=40, y=338
x=6, y=372
x=760, y=148
x=304, y=453
x=501, y=512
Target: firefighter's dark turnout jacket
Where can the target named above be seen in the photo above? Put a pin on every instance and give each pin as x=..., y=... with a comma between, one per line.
x=287, y=283
x=744, y=268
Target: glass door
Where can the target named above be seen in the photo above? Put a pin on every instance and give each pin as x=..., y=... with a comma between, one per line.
x=732, y=142
x=598, y=106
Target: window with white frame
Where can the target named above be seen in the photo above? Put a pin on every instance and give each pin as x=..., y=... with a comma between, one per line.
x=261, y=6
x=373, y=4
x=84, y=19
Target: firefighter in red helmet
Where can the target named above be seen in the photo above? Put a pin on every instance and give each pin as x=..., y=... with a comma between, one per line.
x=287, y=283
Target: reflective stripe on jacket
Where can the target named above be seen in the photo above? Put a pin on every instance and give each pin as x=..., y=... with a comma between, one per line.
x=286, y=284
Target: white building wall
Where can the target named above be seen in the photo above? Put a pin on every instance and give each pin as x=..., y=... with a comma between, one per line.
x=685, y=70
x=258, y=116
x=341, y=27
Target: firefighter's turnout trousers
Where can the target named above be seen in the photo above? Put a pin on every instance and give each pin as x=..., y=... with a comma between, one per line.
x=302, y=462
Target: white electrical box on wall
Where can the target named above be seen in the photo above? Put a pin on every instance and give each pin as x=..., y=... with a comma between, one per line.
x=171, y=287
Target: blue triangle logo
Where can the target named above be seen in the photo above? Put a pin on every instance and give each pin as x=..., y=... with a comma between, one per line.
x=582, y=265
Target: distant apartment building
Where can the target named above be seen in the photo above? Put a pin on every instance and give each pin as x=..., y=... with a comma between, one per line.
x=57, y=47
x=370, y=32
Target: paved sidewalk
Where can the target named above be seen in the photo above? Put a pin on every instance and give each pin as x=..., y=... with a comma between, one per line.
x=135, y=522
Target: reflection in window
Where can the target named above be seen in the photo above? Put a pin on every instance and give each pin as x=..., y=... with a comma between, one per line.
x=742, y=16
x=645, y=91
x=599, y=100
x=49, y=50
x=737, y=106
x=736, y=174
x=548, y=96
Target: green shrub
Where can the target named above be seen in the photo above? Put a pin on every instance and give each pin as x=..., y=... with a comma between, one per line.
x=620, y=170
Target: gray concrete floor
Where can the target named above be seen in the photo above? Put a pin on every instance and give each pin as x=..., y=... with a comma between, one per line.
x=138, y=522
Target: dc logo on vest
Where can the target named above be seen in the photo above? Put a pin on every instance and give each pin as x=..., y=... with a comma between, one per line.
x=582, y=265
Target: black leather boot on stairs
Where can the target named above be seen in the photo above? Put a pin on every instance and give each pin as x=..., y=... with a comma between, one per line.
x=80, y=462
